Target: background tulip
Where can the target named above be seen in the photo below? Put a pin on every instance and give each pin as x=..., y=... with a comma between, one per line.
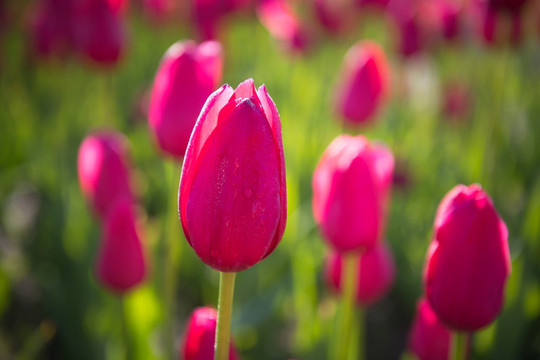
x=187, y=75
x=429, y=339
x=103, y=170
x=364, y=83
x=198, y=341
x=376, y=273
x=232, y=194
x=350, y=192
x=121, y=262
x=468, y=261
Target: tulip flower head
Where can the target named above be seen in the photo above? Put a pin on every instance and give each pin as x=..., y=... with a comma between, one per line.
x=198, y=342
x=429, y=338
x=103, y=170
x=468, y=261
x=187, y=75
x=351, y=187
x=232, y=194
x=121, y=262
x=364, y=83
x=376, y=269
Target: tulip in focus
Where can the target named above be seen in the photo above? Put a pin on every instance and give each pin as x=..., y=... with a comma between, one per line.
x=232, y=194
x=468, y=261
x=198, y=341
x=376, y=273
x=121, y=262
x=364, y=83
x=429, y=338
x=351, y=187
x=103, y=170
x=187, y=75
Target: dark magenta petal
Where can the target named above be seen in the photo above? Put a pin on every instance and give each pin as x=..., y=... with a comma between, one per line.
x=468, y=262
x=233, y=206
x=429, y=339
x=121, y=262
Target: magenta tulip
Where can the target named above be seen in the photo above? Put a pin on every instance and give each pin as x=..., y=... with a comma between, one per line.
x=232, y=195
x=198, y=341
x=351, y=187
x=336, y=16
x=103, y=170
x=187, y=75
x=121, y=261
x=364, y=83
x=100, y=34
x=468, y=261
x=376, y=273
x=429, y=339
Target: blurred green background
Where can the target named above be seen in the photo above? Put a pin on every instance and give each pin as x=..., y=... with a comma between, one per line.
x=50, y=304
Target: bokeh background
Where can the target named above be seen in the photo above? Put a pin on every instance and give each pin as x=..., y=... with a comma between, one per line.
x=51, y=306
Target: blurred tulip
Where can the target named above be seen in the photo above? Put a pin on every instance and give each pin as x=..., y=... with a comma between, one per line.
x=409, y=33
x=283, y=24
x=457, y=101
x=376, y=4
x=351, y=187
x=429, y=339
x=208, y=14
x=506, y=5
x=159, y=10
x=186, y=76
x=336, y=15
x=198, y=342
x=100, y=33
x=376, y=273
x=232, y=195
x=121, y=261
x=363, y=84
x=468, y=261
x=103, y=170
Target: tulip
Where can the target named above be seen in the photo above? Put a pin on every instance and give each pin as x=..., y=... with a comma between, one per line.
x=457, y=101
x=376, y=273
x=364, y=83
x=121, y=262
x=335, y=16
x=103, y=170
x=198, y=341
x=351, y=187
x=208, y=14
x=429, y=339
x=468, y=260
x=187, y=75
x=232, y=194
x=100, y=33
x=283, y=24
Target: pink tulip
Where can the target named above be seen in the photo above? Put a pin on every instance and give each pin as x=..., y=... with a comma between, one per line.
x=100, y=33
x=159, y=10
x=468, y=261
x=376, y=269
x=283, y=24
x=198, y=342
x=121, y=262
x=351, y=186
x=364, y=83
x=511, y=6
x=208, y=14
x=103, y=170
x=429, y=339
x=232, y=195
x=336, y=16
x=186, y=76
x=457, y=101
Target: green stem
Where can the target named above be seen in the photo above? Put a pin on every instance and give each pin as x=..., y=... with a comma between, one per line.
x=458, y=346
x=128, y=344
x=223, y=326
x=349, y=279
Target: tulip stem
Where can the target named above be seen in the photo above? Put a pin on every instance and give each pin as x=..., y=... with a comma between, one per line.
x=128, y=348
x=349, y=280
x=223, y=326
x=458, y=346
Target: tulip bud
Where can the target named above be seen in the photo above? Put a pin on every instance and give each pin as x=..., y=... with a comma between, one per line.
x=100, y=33
x=121, y=261
x=232, y=195
x=376, y=273
x=103, y=170
x=186, y=76
x=198, y=342
x=429, y=339
x=468, y=261
x=351, y=186
x=364, y=83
